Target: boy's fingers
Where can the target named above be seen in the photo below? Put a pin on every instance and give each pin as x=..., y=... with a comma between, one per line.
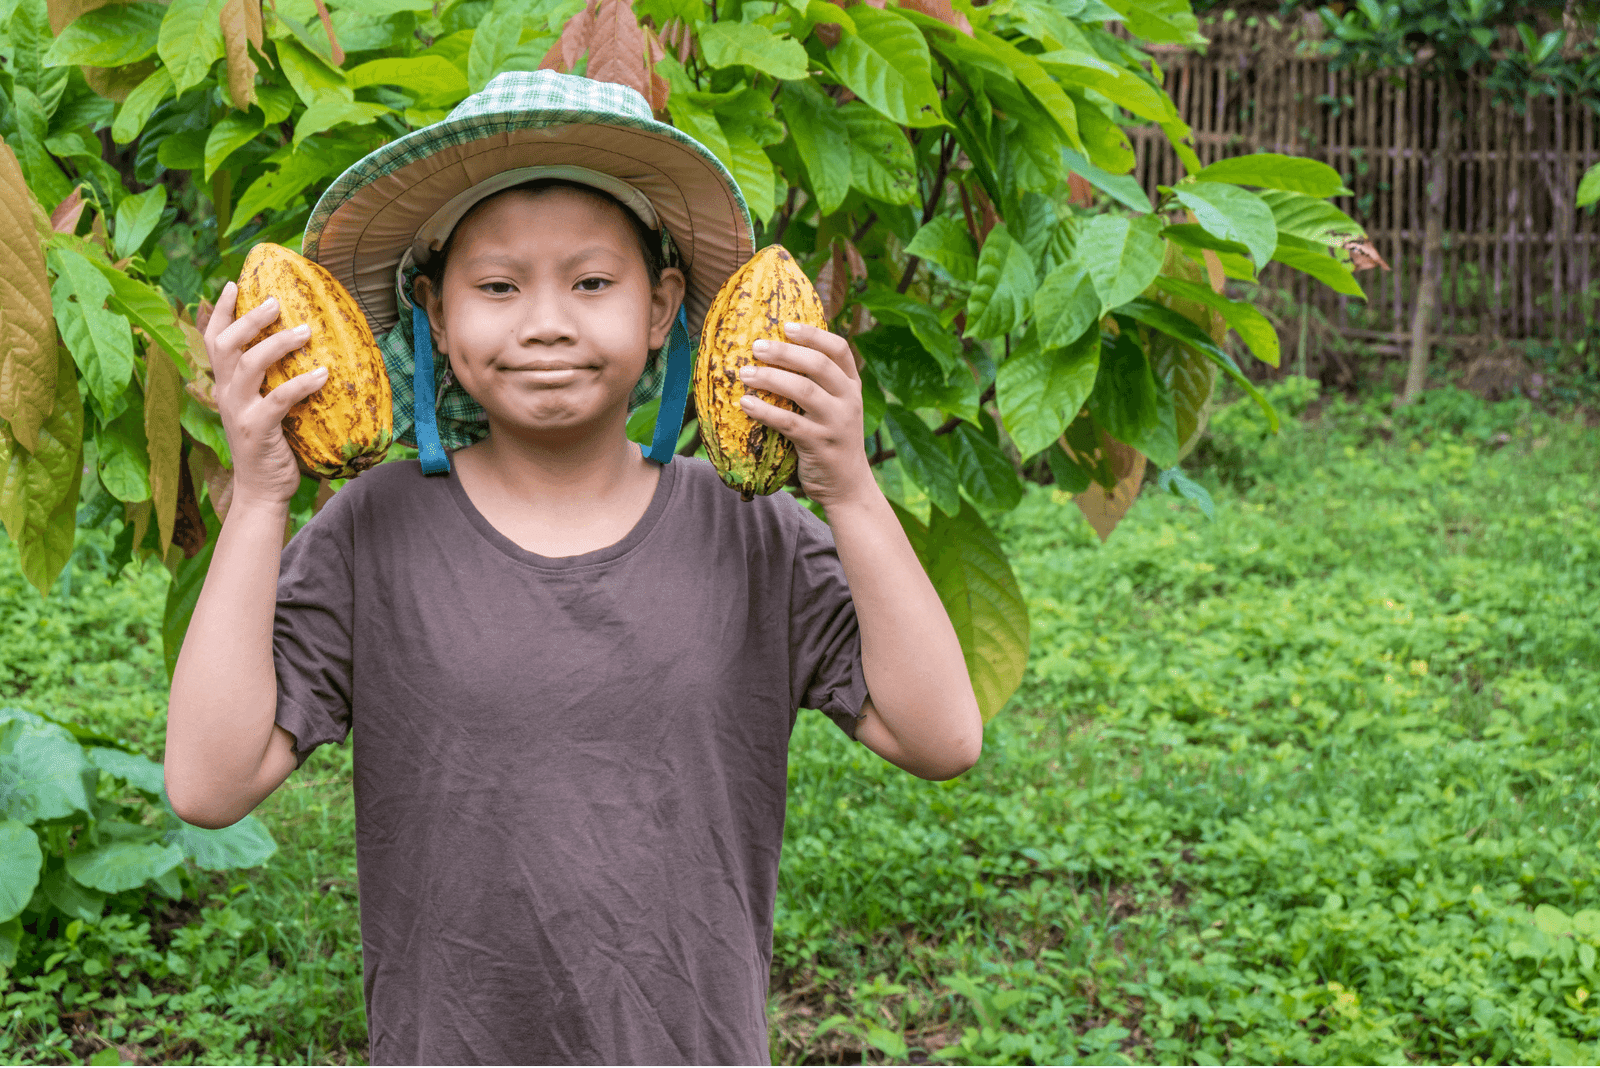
x=222, y=313
x=292, y=392
x=237, y=334
x=789, y=424
x=836, y=348
x=802, y=390
x=803, y=359
x=252, y=366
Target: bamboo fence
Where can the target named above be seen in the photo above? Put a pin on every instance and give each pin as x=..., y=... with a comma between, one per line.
x=1520, y=261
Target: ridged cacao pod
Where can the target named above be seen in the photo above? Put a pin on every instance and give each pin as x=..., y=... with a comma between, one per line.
x=346, y=426
x=755, y=302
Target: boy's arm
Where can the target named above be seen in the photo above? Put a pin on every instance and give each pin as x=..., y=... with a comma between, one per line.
x=921, y=715
x=225, y=752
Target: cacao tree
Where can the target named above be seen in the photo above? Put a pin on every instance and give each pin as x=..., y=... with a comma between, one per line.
x=955, y=177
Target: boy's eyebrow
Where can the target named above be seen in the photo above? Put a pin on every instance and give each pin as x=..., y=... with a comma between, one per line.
x=511, y=259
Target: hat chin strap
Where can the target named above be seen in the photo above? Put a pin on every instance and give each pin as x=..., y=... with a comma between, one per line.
x=425, y=422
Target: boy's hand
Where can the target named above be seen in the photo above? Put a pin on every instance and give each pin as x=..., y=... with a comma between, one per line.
x=817, y=371
x=264, y=467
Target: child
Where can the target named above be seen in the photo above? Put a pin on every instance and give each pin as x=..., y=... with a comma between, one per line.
x=575, y=666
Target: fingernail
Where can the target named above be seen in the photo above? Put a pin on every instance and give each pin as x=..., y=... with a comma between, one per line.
x=304, y=329
x=323, y=371
x=744, y=373
x=762, y=346
x=270, y=302
x=789, y=328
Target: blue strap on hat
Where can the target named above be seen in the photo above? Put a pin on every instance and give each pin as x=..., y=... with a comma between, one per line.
x=425, y=426
x=674, y=393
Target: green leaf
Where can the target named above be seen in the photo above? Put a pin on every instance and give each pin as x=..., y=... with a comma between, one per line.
x=898, y=309
x=148, y=309
x=904, y=367
x=882, y=164
x=298, y=175
x=20, y=862
x=1174, y=325
x=1269, y=170
x=1069, y=477
x=237, y=129
x=921, y=458
x=887, y=64
x=731, y=44
x=139, y=772
x=822, y=139
x=310, y=75
x=752, y=169
x=110, y=36
x=495, y=39
x=334, y=110
x=1160, y=21
x=1123, y=255
x=116, y=866
x=1589, y=187
x=1041, y=389
x=135, y=111
x=100, y=341
x=1174, y=481
x=137, y=218
x=1038, y=82
x=39, y=489
x=45, y=772
x=1123, y=188
x=986, y=474
x=1232, y=214
x=246, y=844
x=980, y=594
x=429, y=78
x=1306, y=217
x=1066, y=305
x=1324, y=268
x=191, y=40
x=65, y=893
x=1129, y=402
x=123, y=458
x=1252, y=327
x=1001, y=295
x=700, y=123
x=1190, y=378
x=1117, y=84
x=944, y=240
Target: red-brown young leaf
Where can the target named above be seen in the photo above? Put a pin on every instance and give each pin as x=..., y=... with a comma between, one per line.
x=1079, y=191
x=576, y=37
x=327, y=27
x=833, y=283
x=828, y=33
x=64, y=220
x=617, y=47
x=1363, y=257
x=852, y=256
x=939, y=9
x=660, y=88
x=188, y=528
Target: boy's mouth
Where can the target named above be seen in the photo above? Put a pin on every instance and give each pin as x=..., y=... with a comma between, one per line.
x=549, y=372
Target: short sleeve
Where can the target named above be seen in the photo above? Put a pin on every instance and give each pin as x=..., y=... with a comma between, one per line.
x=312, y=630
x=825, y=640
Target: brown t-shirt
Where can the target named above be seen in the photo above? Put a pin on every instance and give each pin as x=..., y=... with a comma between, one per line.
x=569, y=773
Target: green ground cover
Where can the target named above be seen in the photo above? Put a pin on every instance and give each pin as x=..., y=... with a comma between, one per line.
x=1314, y=782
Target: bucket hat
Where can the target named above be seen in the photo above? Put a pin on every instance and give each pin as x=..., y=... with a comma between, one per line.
x=384, y=216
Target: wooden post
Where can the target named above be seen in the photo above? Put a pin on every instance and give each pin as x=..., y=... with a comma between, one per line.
x=1427, y=292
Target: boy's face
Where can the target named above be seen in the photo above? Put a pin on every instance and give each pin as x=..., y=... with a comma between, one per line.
x=547, y=313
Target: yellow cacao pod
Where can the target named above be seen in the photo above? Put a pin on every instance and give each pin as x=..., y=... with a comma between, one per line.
x=346, y=426
x=765, y=293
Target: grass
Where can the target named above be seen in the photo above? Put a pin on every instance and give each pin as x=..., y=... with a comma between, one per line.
x=1314, y=782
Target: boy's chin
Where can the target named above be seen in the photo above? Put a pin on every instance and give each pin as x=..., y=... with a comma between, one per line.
x=557, y=419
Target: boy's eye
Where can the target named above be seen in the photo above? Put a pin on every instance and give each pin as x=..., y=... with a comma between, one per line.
x=593, y=285
x=497, y=289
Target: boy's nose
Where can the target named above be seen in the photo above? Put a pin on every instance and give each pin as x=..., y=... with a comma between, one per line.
x=546, y=319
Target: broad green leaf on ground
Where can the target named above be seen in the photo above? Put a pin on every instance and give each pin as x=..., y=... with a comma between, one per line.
x=245, y=844
x=135, y=111
x=191, y=40
x=334, y=110
x=1321, y=266
x=1174, y=325
x=944, y=240
x=65, y=893
x=100, y=340
x=822, y=140
x=1003, y=290
x=163, y=407
x=1269, y=170
x=752, y=169
x=728, y=44
x=298, y=174
x=969, y=569
x=1232, y=214
x=1123, y=188
x=1160, y=21
x=115, y=865
x=139, y=772
x=139, y=214
x=882, y=165
x=1041, y=389
x=899, y=309
x=237, y=129
x=20, y=862
x=886, y=63
x=904, y=367
x=39, y=488
x=1252, y=327
x=1131, y=404
x=922, y=459
x=1310, y=219
x=1066, y=305
x=1038, y=82
x=310, y=75
x=1589, y=187
x=45, y=772
x=986, y=474
x=433, y=79
x=110, y=36
x=1123, y=255
x=27, y=333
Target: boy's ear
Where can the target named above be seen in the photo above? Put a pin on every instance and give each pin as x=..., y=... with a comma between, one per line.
x=665, y=300
x=423, y=289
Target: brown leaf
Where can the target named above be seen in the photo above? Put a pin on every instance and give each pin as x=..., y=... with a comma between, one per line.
x=573, y=43
x=64, y=220
x=218, y=479
x=327, y=27
x=324, y=495
x=852, y=256
x=988, y=217
x=1080, y=192
x=1363, y=257
x=241, y=27
x=188, y=526
x=833, y=283
x=138, y=516
x=202, y=315
x=617, y=48
x=1103, y=509
x=939, y=9
x=28, y=363
x=828, y=33
x=861, y=320
x=660, y=89
x=116, y=83
x=163, y=403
